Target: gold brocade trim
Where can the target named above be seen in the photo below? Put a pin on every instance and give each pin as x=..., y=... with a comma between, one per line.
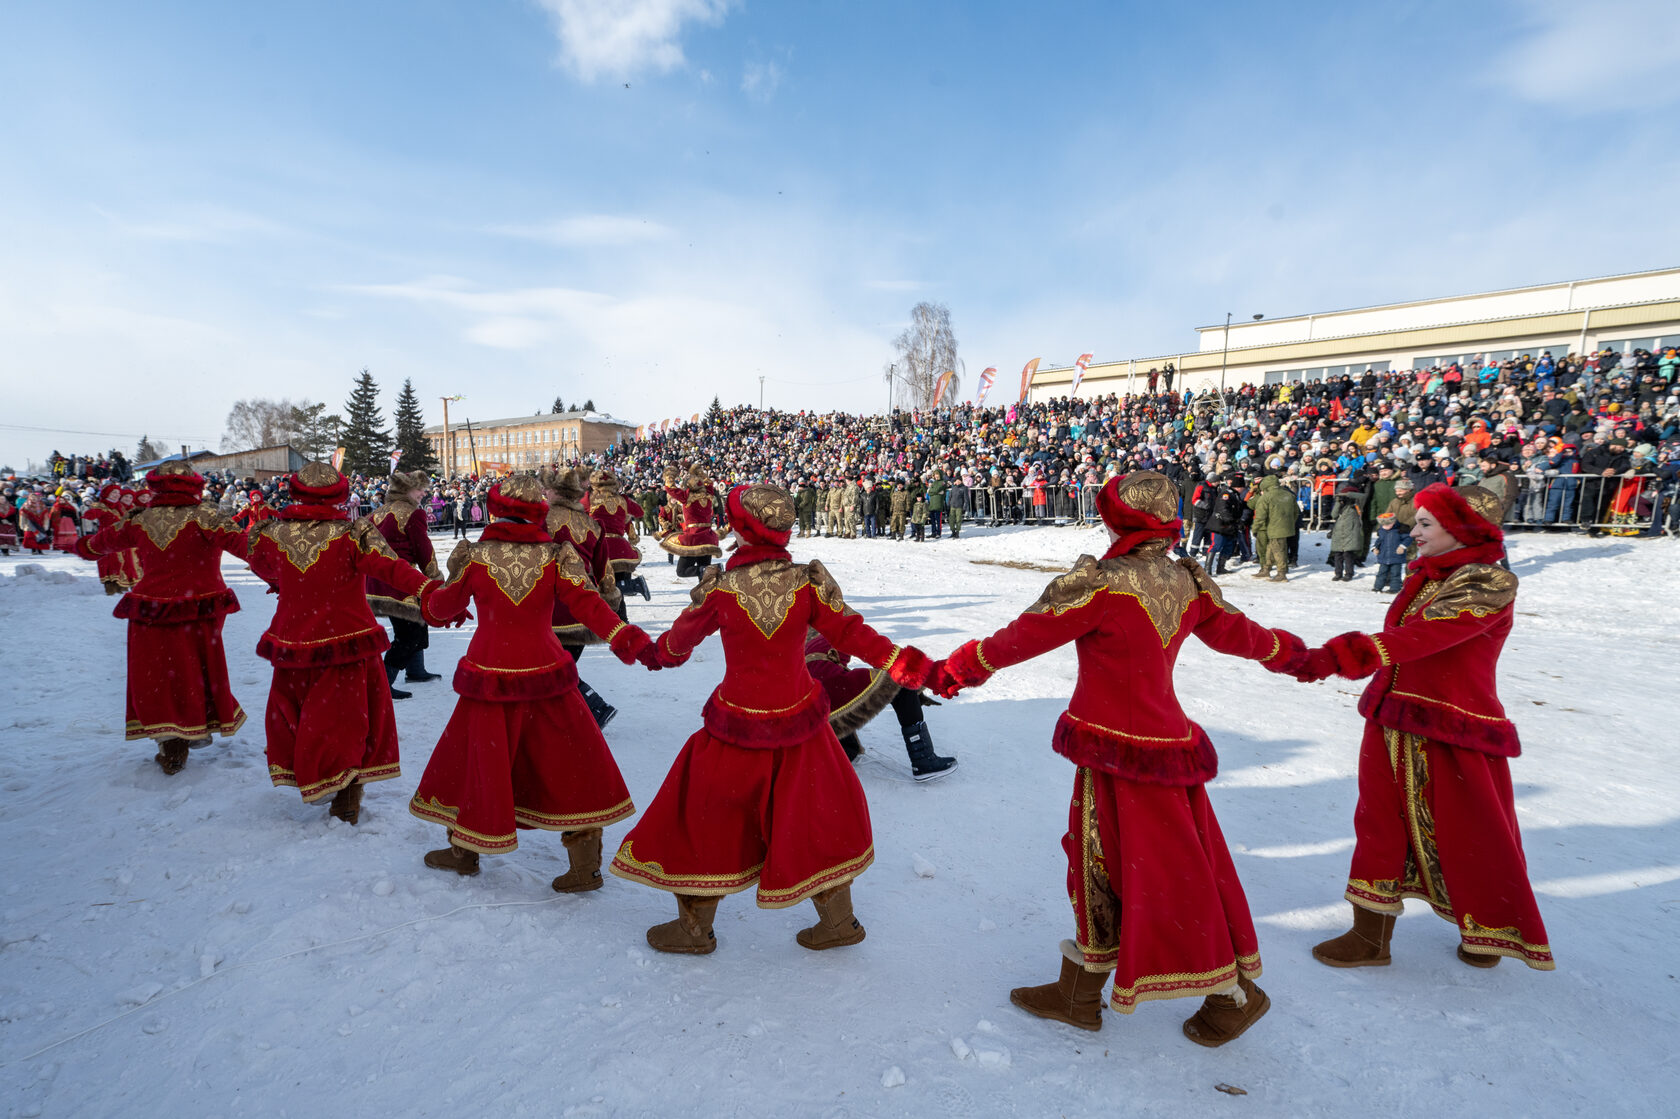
x=1382, y=650
x=766, y=591
x=980, y=656
x=1381, y=896
x=1178, y=985
x=320, y=640
x=508, y=671
x=826, y=589
x=770, y=504
x=616, y=630
x=614, y=503
x=1410, y=763
x=892, y=658
x=768, y=710
x=547, y=821
x=435, y=811
x=626, y=865
x=1097, y=945
x=367, y=538
x=816, y=883
x=1451, y=706
x=1506, y=941
x=1421, y=599
x=579, y=526
x=515, y=568
x=136, y=729
x=286, y=778
x=1477, y=589
x=398, y=509
x=301, y=542
x=1206, y=585
x=1277, y=644
x=1128, y=734
x=1162, y=588
x=163, y=523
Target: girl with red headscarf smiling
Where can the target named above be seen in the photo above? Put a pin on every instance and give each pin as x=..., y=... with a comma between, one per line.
x=1436, y=818
x=763, y=792
x=1156, y=898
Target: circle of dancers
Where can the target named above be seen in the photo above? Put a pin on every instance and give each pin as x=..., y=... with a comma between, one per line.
x=763, y=795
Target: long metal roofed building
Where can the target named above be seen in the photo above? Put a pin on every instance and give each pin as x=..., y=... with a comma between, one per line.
x=1637, y=310
x=519, y=443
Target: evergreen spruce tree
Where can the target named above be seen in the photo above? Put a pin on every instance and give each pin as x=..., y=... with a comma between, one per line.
x=411, y=433
x=559, y=407
x=589, y=405
x=314, y=432
x=367, y=445
x=714, y=414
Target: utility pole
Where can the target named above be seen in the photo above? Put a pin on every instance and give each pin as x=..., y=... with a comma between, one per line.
x=892, y=375
x=761, y=392
x=448, y=447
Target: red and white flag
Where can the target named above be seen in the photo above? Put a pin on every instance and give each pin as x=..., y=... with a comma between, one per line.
x=1079, y=371
x=986, y=379
x=395, y=455
x=1026, y=379
x=939, y=387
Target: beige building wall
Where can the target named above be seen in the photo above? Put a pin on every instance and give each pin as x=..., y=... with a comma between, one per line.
x=523, y=443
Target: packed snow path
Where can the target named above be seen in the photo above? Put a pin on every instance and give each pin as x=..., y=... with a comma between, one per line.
x=211, y=946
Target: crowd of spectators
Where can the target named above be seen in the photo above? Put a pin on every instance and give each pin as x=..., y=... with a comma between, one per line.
x=1559, y=438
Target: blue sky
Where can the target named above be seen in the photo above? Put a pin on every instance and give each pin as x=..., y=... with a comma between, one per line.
x=651, y=201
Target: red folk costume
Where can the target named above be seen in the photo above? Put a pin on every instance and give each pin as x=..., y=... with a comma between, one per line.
x=670, y=513
x=116, y=571
x=617, y=515
x=65, y=520
x=402, y=524
x=178, y=689
x=696, y=498
x=37, y=528
x=520, y=750
x=763, y=793
x=329, y=722
x=567, y=523
x=8, y=524
x=255, y=512
x=1436, y=817
x=1155, y=895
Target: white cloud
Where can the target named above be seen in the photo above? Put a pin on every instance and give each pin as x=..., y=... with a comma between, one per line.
x=1606, y=55
x=620, y=38
x=208, y=224
x=895, y=285
x=760, y=80
x=590, y=230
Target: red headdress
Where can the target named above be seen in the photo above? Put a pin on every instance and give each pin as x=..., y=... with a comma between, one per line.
x=763, y=517
x=519, y=497
x=1141, y=506
x=319, y=484
x=174, y=483
x=1470, y=513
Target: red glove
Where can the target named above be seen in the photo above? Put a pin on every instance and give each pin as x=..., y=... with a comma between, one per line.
x=941, y=683
x=1356, y=654
x=964, y=665
x=629, y=643
x=910, y=668
x=648, y=657
x=1292, y=651
x=1316, y=665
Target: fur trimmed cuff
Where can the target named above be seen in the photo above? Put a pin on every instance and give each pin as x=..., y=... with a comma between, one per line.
x=1316, y=665
x=964, y=665
x=1356, y=654
x=627, y=644
x=430, y=616
x=910, y=668
x=668, y=659
x=1291, y=653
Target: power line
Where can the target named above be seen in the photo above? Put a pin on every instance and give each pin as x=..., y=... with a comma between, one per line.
x=102, y=434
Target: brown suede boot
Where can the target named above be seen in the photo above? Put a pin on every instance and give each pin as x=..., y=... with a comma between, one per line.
x=1075, y=998
x=172, y=755
x=1224, y=1018
x=347, y=803
x=584, y=847
x=453, y=857
x=691, y=933
x=1364, y=945
x=1477, y=959
x=835, y=927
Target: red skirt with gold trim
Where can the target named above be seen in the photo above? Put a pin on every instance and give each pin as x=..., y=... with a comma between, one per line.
x=1155, y=894
x=331, y=725
x=178, y=682
x=532, y=763
x=792, y=819
x=1439, y=822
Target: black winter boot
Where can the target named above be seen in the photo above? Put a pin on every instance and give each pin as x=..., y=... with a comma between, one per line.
x=600, y=709
x=853, y=748
x=416, y=672
x=925, y=765
x=391, y=679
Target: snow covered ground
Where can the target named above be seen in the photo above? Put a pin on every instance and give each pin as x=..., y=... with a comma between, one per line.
x=208, y=945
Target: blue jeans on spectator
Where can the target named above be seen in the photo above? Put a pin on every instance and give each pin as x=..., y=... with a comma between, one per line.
x=871, y=527
x=936, y=518
x=1389, y=578
x=1560, y=501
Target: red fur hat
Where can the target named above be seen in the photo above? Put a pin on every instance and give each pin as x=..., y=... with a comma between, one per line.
x=761, y=514
x=175, y=478
x=319, y=484
x=519, y=497
x=1470, y=513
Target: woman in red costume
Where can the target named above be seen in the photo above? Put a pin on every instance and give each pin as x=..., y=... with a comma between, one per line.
x=329, y=722
x=1436, y=818
x=521, y=750
x=178, y=689
x=697, y=543
x=567, y=523
x=763, y=793
x=402, y=523
x=37, y=528
x=116, y=571
x=255, y=512
x=8, y=524
x=1155, y=896
x=66, y=521
x=617, y=515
